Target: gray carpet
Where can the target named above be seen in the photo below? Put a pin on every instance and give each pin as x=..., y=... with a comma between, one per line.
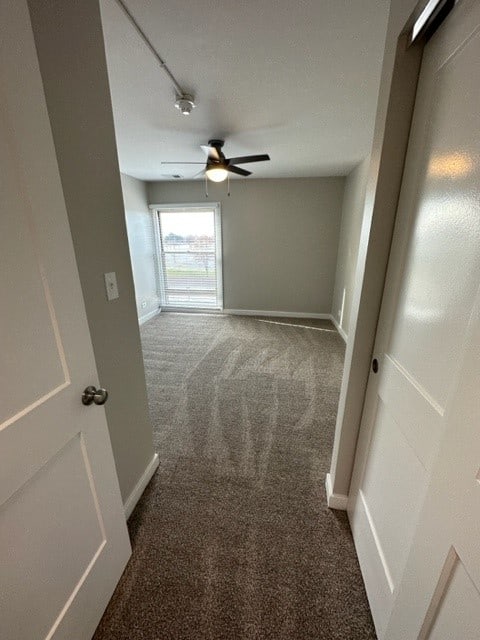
x=232, y=539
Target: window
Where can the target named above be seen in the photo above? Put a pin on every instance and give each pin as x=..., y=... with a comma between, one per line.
x=189, y=243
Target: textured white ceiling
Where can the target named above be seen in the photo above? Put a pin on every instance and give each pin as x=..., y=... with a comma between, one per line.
x=298, y=80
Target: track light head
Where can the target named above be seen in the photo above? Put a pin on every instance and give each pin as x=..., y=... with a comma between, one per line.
x=185, y=104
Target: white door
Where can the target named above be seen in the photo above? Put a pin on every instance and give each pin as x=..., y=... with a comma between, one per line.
x=439, y=596
x=63, y=538
x=416, y=398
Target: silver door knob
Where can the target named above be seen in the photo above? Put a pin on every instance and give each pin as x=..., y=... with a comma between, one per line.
x=92, y=394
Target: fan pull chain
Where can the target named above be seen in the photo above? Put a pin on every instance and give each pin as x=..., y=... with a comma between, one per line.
x=228, y=184
x=206, y=186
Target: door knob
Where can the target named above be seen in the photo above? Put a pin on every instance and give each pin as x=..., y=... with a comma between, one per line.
x=92, y=394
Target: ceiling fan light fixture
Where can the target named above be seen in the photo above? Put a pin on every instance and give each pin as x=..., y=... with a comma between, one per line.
x=217, y=174
x=185, y=104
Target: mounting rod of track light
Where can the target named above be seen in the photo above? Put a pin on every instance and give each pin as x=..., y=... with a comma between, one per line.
x=184, y=102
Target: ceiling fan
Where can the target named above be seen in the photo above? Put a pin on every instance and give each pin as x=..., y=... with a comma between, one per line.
x=218, y=166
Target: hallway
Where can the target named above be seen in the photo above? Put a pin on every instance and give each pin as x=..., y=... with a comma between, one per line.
x=233, y=539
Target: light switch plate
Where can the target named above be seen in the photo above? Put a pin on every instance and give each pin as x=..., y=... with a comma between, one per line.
x=111, y=285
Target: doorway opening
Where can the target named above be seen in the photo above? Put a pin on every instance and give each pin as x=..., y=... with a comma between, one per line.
x=189, y=251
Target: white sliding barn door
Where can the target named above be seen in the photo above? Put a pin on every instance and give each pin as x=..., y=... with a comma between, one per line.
x=411, y=497
x=63, y=538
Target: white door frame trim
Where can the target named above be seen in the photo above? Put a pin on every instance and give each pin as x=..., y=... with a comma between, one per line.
x=392, y=132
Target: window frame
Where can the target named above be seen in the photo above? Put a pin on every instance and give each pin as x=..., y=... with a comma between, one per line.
x=187, y=208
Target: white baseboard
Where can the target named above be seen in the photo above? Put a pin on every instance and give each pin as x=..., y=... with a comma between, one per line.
x=140, y=487
x=148, y=316
x=339, y=328
x=277, y=314
x=335, y=500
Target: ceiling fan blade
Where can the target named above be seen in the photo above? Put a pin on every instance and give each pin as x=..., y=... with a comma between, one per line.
x=211, y=152
x=241, y=172
x=182, y=162
x=245, y=159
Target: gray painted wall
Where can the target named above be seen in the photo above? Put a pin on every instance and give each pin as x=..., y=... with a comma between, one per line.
x=348, y=245
x=280, y=239
x=141, y=241
x=71, y=53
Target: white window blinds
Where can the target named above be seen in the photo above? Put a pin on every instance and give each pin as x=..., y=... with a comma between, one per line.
x=190, y=257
